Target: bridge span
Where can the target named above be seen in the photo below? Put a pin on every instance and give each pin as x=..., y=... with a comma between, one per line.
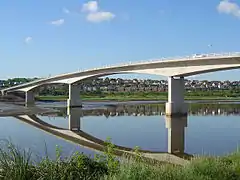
x=174, y=68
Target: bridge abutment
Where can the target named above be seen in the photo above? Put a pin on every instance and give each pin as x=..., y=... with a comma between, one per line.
x=74, y=96
x=29, y=98
x=176, y=134
x=176, y=105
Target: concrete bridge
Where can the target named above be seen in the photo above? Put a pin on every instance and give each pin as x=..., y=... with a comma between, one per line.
x=174, y=68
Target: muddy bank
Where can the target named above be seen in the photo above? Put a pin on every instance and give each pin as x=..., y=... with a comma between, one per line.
x=11, y=98
x=9, y=109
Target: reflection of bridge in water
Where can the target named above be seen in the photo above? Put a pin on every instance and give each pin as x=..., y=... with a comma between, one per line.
x=176, y=137
x=158, y=109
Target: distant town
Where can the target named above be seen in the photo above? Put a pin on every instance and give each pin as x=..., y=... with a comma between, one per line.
x=125, y=85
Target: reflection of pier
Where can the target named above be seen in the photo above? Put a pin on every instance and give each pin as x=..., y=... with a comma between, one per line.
x=74, y=115
x=74, y=134
x=176, y=134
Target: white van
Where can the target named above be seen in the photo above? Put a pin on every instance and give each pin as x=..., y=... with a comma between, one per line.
x=199, y=55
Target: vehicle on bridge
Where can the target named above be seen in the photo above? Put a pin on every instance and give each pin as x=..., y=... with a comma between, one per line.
x=199, y=55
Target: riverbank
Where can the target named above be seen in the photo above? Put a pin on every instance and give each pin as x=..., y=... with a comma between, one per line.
x=17, y=164
x=135, y=98
x=10, y=109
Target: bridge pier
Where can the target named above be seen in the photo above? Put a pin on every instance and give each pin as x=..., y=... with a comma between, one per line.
x=74, y=96
x=175, y=105
x=74, y=121
x=29, y=98
x=176, y=134
x=2, y=93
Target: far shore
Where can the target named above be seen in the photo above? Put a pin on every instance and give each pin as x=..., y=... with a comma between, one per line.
x=126, y=98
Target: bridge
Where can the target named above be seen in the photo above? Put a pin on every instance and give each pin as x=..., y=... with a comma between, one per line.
x=173, y=68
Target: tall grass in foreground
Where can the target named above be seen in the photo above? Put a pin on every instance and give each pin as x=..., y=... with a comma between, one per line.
x=227, y=168
x=16, y=164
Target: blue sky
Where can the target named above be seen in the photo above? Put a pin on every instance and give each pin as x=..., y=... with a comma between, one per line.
x=39, y=38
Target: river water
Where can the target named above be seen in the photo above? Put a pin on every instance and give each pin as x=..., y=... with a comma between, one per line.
x=212, y=129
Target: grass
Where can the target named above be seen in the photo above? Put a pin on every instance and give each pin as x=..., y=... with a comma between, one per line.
x=144, y=96
x=134, y=98
x=224, y=168
x=17, y=164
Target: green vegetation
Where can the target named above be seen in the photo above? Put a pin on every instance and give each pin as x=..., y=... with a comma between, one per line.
x=128, y=96
x=17, y=164
x=15, y=81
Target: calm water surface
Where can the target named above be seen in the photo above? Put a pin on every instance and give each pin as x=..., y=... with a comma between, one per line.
x=209, y=129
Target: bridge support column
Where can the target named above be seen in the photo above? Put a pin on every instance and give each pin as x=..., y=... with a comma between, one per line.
x=176, y=134
x=29, y=98
x=2, y=93
x=175, y=105
x=74, y=115
x=74, y=96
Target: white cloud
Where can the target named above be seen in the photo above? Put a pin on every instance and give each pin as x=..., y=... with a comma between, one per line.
x=94, y=14
x=100, y=16
x=58, y=22
x=65, y=10
x=227, y=7
x=28, y=39
x=91, y=6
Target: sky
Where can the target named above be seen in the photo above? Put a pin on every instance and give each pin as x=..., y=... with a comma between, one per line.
x=50, y=37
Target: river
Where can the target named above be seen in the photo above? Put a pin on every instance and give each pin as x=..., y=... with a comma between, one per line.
x=212, y=129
